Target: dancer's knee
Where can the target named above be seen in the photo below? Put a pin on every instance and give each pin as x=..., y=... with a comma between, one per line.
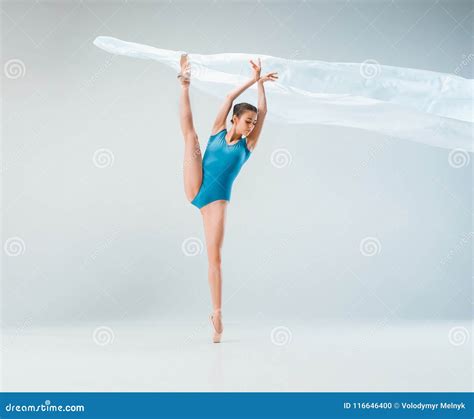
x=214, y=258
x=191, y=137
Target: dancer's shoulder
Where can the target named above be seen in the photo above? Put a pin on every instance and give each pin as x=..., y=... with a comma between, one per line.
x=217, y=130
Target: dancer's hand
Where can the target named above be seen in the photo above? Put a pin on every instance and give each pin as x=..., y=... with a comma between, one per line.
x=256, y=69
x=268, y=77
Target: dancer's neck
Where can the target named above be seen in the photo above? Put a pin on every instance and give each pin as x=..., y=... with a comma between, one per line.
x=232, y=136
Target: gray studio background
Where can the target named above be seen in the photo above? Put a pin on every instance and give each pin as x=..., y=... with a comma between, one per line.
x=83, y=243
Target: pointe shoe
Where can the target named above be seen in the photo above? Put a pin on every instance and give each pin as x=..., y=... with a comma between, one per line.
x=185, y=74
x=217, y=334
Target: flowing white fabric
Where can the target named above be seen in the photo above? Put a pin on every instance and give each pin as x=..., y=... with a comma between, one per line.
x=417, y=105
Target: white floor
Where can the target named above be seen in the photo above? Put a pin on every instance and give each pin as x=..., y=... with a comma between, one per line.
x=329, y=356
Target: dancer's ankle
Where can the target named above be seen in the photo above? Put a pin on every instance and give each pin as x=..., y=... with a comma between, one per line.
x=184, y=82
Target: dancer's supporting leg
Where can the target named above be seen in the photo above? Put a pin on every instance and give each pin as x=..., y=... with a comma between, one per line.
x=214, y=216
x=192, y=165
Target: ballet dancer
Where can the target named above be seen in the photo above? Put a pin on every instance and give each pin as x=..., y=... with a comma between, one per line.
x=208, y=180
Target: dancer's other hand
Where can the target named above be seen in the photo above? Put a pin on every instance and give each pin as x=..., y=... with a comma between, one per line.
x=256, y=69
x=268, y=77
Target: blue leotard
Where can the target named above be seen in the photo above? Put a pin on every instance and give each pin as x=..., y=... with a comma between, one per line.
x=221, y=164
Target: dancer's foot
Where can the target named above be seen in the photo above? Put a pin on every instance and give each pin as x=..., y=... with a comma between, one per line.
x=216, y=320
x=185, y=75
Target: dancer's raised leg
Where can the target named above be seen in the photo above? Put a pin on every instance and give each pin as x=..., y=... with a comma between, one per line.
x=192, y=165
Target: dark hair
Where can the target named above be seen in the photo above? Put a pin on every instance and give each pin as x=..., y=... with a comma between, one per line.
x=240, y=108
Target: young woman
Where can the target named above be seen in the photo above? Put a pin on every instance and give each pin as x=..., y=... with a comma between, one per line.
x=208, y=180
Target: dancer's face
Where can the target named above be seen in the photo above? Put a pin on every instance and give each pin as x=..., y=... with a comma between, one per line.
x=246, y=123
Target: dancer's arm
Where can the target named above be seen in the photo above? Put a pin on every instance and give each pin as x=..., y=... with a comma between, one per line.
x=219, y=123
x=252, y=139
